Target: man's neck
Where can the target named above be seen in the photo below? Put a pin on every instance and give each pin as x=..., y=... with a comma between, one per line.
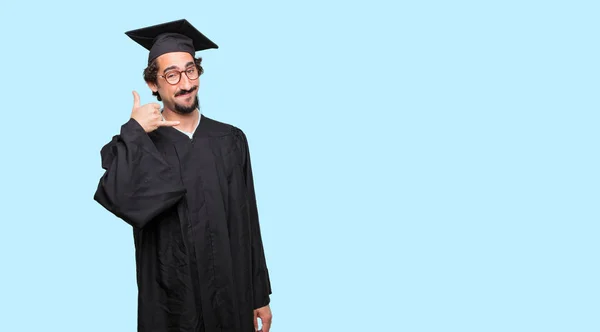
x=187, y=122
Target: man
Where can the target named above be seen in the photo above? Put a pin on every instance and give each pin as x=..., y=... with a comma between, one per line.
x=184, y=183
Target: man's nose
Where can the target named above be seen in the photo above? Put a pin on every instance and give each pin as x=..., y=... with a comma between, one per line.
x=185, y=83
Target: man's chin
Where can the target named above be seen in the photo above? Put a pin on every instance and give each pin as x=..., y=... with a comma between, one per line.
x=183, y=109
x=187, y=109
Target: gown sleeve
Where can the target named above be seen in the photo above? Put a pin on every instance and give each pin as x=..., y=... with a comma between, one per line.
x=138, y=184
x=260, y=273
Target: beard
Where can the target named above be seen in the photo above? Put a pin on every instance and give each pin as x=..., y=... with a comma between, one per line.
x=181, y=109
x=186, y=109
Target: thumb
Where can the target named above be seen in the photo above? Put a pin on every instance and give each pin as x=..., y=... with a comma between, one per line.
x=136, y=99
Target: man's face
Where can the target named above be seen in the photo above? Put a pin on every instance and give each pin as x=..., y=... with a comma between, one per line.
x=181, y=97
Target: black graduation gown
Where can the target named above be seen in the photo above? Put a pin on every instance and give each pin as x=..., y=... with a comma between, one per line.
x=199, y=254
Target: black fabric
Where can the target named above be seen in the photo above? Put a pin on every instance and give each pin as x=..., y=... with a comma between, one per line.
x=175, y=36
x=191, y=203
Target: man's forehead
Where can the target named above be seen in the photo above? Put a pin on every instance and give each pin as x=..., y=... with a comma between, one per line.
x=174, y=59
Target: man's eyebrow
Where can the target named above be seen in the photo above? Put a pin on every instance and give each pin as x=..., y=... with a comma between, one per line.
x=175, y=67
x=169, y=68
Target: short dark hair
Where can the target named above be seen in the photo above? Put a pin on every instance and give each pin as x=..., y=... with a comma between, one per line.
x=151, y=73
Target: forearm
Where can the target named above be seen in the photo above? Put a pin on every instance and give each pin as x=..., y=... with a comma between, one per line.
x=138, y=183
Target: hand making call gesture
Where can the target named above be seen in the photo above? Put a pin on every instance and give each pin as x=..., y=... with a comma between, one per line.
x=148, y=115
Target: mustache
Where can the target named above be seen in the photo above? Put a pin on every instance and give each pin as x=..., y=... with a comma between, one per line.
x=182, y=92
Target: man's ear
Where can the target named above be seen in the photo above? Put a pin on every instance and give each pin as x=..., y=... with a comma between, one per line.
x=152, y=86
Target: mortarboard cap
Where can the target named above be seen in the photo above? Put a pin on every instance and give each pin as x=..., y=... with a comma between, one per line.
x=175, y=36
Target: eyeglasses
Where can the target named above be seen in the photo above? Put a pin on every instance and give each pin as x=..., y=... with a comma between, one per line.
x=173, y=77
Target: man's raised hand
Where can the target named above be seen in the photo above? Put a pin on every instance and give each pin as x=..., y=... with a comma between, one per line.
x=148, y=115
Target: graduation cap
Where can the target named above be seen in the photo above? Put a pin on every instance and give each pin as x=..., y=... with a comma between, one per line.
x=175, y=36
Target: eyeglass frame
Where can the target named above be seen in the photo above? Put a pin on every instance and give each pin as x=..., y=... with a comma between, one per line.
x=182, y=71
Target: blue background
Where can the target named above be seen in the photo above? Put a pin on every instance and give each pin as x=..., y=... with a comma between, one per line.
x=420, y=166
